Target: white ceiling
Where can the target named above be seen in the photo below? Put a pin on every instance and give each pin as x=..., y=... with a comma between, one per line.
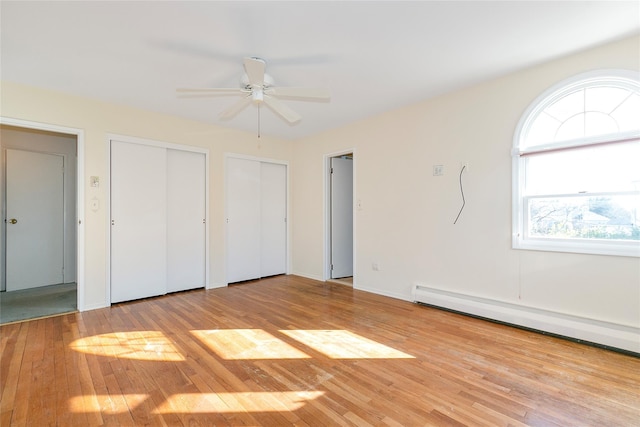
x=372, y=56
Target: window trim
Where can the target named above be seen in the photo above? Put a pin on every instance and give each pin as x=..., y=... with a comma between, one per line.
x=623, y=78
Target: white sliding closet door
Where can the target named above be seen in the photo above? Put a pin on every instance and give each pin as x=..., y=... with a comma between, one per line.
x=243, y=220
x=256, y=219
x=138, y=221
x=273, y=196
x=186, y=176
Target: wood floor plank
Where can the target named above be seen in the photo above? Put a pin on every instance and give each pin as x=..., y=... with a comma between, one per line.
x=14, y=339
x=293, y=351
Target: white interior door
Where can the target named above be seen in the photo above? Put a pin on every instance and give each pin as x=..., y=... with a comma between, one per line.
x=186, y=176
x=35, y=219
x=341, y=217
x=273, y=205
x=138, y=221
x=243, y=220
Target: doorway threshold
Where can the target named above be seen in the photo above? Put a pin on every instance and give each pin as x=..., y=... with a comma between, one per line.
x=348, y=281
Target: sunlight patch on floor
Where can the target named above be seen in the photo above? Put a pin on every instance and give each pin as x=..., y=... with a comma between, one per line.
x=140, y=345
x=236, y=402
x=106, y=404
x=341, y=344
x=196, y=403
x=247, y=344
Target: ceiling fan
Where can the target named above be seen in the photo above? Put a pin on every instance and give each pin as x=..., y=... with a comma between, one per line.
x=257, y=88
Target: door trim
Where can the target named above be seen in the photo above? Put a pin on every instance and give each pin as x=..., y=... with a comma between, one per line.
x=80, y=178
x=168, y=145
x=326, y=271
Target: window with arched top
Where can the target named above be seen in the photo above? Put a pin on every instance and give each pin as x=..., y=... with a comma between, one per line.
x=576, y=167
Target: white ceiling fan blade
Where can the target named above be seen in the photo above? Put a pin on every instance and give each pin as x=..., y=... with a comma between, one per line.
x=212, y=91
x=320, y=94
x=281, y=109
x=235, y=108
x=254, y=68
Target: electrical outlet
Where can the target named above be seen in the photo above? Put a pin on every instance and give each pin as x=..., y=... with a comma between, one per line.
x=438, y=170
x=374, y=266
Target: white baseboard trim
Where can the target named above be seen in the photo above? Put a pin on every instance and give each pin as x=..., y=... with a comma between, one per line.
x=604, y=333
x=89, y=307
x=216, y=285
x=383, y=293
x=308, y=276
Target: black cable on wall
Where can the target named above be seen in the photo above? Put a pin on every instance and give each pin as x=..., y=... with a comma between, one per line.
x=462, y=193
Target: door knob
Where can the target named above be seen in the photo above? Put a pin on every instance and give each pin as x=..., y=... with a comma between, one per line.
x=13, y=221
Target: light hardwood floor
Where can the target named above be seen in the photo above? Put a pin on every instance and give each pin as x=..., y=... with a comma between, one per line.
x=293, y=351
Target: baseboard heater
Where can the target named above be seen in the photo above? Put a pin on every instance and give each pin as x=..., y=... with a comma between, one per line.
x=605, y=334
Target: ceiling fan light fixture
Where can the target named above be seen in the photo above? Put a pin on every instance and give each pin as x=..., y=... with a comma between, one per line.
x=257, y=96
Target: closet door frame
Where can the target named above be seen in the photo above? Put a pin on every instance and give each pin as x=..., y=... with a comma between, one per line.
x=288, y=206
x=107, y=184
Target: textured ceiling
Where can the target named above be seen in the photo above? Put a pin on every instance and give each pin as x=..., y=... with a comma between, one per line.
x=372, y=56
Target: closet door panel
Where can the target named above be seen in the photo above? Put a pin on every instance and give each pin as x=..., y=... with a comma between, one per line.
x=273, y=242
x=243, y=220
x=138, y=221
x=186, y=176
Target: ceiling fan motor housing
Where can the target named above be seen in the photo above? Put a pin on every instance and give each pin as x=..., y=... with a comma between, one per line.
x=257, y=91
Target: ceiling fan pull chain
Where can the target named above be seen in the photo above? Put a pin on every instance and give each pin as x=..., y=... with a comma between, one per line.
x=258, y=121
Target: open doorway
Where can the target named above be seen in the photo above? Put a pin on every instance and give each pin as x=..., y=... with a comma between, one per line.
x=340, y=219
x=39, y=229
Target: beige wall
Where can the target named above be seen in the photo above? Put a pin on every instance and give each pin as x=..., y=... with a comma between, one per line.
x=406, y=221
x=97, y=120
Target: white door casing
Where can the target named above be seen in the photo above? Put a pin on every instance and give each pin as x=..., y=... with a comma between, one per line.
x=34, y=200
x=341, y=217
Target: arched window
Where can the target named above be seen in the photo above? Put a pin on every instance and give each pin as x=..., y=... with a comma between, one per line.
x=576, y=166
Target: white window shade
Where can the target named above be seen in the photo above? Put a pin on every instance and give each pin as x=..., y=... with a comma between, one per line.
x=576, y=167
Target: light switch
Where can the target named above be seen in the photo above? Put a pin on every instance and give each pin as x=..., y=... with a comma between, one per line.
x=95, y=181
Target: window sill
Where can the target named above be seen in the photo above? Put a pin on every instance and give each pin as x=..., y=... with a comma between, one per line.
x=617, y=248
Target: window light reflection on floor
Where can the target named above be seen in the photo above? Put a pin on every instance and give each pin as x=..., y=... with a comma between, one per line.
x=341, y=344
x=140, y=345
x=105, y=403
x=247, y=344
x=275, y=401
x=197, y=403
x=238, y=344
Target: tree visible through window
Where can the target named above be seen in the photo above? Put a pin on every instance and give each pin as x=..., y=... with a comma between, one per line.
x=577, y=167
